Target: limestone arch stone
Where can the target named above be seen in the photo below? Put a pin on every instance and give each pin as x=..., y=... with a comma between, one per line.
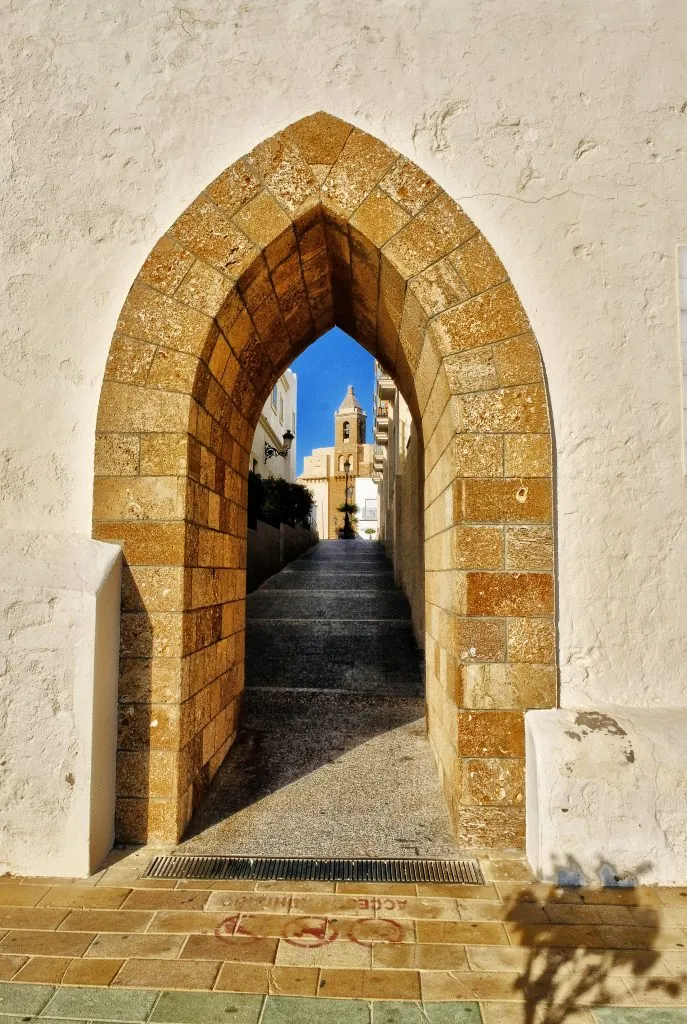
x=323, y=224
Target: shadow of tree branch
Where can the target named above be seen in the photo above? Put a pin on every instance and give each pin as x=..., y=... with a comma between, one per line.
x=593, y=946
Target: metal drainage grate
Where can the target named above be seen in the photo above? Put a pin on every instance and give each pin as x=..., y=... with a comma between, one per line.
x=259, y=869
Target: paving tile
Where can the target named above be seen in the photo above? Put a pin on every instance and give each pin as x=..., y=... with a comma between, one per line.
x=639, y=1015
x=671, y=897
x=104, y=1004
x=157, y=883
x=295, y=886
x=46, y=943
x=80, y=897
x=375, y=984
x=115, y=945
x=528, y=1013
x=537, y=892
x=470, y=985
x=425, y=957
x=291, y=981
x=384, y=1012
x=291, y=1010
x=106, y=921
x=23, y=1000
x=657, y=991
x=221, y=885
x=493, y=910
x=15, y=895
x=206, y=1008
x=236, y=948
x=168, y=974
x=336, y=954
x=507, y=870
x=48, y=970
x=462, y=933
x=165, y=899
x=461, y=892
x=378, y=888
x=186, y=922
x=332, y=903
x=265, y=925
x=502, y=958
x=31, y=917
x=9, y=965
x=252, y=902
x=91, y=972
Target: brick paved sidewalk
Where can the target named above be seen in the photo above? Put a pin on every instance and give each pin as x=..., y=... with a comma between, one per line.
x=118, y=947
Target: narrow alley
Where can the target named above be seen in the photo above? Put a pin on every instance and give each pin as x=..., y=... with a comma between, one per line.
x=332, y=758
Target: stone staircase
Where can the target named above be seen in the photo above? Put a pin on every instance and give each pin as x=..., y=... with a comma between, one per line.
x=344, y=624
x=332, y=758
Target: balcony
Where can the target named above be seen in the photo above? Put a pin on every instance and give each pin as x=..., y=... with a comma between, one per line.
x=378, y=459
x=382, y=416
x=386, y=389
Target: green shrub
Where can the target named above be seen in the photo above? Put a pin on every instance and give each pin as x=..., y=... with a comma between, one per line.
x=277, y=501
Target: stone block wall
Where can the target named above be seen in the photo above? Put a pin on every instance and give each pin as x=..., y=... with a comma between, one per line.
x=324, y=224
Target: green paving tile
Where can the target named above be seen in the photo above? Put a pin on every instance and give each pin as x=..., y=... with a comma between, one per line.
x=207, y=1008
x=640, y=1014
x=23, y=1000
x=101, y=1004
x=384, y=1012
x=391, y=1012
x=295, y=1010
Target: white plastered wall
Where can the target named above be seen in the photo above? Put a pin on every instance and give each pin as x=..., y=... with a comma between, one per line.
x=560, y=128
x=59, y=670
x=365, y=490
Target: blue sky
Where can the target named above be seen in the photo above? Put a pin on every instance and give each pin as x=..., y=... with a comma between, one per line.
x=324, y=372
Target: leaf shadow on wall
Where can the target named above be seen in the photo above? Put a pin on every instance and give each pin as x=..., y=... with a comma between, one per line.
x=594, y=947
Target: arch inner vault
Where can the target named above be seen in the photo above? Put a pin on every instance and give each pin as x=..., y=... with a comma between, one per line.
x=321, y=225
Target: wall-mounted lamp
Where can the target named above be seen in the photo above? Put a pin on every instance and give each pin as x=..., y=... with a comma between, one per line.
x=271, y=451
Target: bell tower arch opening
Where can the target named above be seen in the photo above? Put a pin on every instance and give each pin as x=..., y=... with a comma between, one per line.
x=323, y=224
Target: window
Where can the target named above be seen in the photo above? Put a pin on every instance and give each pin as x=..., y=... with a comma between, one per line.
x=369, y=511
x=346, y=430
x=274, y=397
x=281, y=408
x=293, y=422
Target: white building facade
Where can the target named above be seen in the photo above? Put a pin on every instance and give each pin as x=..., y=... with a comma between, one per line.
x=278, y=416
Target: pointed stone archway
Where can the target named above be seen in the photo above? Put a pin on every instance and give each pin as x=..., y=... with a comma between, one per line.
x=323, y=224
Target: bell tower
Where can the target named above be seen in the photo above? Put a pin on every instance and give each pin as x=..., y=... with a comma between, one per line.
x=349, y=433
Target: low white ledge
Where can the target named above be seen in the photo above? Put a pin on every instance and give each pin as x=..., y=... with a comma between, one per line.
x=59, y=647
x=607, y=795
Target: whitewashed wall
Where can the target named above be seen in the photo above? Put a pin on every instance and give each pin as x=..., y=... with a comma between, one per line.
x=560, y=128
x=273, y=422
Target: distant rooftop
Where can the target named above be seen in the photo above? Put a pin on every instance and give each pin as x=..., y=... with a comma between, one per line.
x=350, y=402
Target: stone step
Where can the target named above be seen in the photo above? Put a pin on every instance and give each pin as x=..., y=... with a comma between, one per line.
x=329, y=580
x=340, y=565
x=362, y=656
x=324, y=603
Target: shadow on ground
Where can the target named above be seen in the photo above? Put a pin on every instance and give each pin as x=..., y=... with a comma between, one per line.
x=288, y=735
x=594, y=947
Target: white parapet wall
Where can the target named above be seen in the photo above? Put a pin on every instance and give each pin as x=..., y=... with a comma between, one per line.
x=607, y=795
x=59, y=647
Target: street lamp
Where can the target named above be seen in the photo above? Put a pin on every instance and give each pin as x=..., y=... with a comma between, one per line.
x=347, y=530
x=271, y=451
